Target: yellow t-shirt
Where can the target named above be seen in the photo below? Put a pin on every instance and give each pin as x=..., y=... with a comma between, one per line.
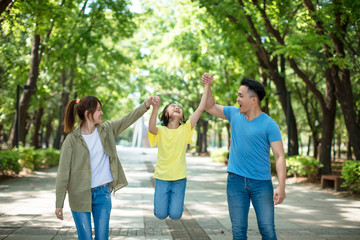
x=172, y=143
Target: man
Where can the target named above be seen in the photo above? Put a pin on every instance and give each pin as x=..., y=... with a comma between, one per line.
x=253, y=132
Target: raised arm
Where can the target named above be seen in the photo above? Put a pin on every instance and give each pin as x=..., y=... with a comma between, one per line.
x=278, y=151
x=196, y=115
x=152, y=122
x=210, y=106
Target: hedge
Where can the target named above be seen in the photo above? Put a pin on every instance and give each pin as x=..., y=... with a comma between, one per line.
x=13, y=161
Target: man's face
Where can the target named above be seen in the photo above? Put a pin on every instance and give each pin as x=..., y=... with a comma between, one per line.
x=244, y=99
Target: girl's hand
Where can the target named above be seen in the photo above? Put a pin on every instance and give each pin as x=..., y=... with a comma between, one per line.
x=156, y=101
x=207, y=78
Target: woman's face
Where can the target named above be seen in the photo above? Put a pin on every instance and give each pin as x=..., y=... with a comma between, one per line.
x=174, y=111
x=97, y=116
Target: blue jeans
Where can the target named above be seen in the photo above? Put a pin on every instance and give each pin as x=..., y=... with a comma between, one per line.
x=169, y=198
x=101, y=208
x=240, y=191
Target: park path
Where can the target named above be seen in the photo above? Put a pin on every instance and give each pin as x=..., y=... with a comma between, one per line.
x=27, y=207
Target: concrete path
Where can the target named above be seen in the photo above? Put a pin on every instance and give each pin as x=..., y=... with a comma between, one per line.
x=27, y=207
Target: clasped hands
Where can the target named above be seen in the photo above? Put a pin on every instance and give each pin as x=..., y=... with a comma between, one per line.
x=155, y=101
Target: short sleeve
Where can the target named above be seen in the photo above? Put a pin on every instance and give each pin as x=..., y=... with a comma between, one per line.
x=274, y=133
x=228, y=110
x=154, y=139
x=188, y=132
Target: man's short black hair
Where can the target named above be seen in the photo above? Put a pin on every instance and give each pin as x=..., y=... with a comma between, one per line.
x=254, y=86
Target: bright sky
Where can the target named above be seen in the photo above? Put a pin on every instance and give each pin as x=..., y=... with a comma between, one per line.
x=135, y=6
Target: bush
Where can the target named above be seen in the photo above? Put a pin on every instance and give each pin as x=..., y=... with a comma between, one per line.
x=27, y=158
x=47, y=157
x=9, y=162
x=13, y=161
x=351, y=174
x=219, y=155
x=303, y=166
x=35, y=159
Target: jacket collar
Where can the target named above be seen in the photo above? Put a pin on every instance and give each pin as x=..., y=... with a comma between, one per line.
x=77, y=131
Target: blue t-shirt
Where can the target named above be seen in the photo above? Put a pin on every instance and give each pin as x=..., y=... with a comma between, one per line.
x=250, y=144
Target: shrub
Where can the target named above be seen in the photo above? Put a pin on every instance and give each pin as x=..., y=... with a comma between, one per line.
x=351, y=174
x=47, y=157
x=219, y=155
x=9, y=162
x=27, y=158
x=303, y=166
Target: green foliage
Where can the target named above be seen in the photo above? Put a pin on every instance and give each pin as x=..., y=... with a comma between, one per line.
x=302, y=166
x=351, y=174
x=9, y=162
x=27, y=158
x=13, y=161
x=219, y=155
x=47, y=157
x=35, y=159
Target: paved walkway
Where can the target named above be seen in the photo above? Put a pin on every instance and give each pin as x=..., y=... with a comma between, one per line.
x=27, y=207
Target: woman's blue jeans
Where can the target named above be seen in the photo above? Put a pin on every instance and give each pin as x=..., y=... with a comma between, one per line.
x=169, y=198
x=101, y=208
x=240, y=191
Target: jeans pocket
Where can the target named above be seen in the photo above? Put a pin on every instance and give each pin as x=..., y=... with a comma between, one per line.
x=106, y=190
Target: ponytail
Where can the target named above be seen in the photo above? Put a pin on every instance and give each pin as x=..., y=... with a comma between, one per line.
x=69, y=119
x=87, y=103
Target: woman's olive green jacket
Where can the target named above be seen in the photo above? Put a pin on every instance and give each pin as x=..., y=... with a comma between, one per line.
x=74, y=171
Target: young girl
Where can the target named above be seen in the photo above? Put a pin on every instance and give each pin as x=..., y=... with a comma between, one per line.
x=89, y=168
x=170, y=170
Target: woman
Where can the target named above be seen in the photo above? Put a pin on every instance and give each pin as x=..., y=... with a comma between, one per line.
x=89, y=168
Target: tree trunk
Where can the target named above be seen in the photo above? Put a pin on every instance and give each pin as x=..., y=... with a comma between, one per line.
x=4, y=4
x=229, y=134
x=37, y=125
x=220, y=139
x=264, y=81
x=60, y=135
x=199, y=137
x=316, y=148
x=48, y=132
x=204, y=136
x=349, y=151
x=27, y=93
x=339, y=145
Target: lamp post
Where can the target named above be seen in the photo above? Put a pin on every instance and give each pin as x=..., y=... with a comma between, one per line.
x=25, y=87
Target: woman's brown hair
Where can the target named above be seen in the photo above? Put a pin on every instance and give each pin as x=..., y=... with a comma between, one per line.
x=88, y=103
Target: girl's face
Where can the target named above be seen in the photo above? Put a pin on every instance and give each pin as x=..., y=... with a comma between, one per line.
x=174, y=111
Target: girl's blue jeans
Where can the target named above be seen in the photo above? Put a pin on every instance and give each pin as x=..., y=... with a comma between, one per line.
x=169, y=198
x=240, y=191
x=101, y=208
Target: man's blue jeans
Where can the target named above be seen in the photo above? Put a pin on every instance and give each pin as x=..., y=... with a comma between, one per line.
x=101, y=208
x=240, y=191
x=169, y=198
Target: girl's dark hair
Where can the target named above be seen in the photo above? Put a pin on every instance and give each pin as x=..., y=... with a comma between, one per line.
x=88, y=103
x=164, y=117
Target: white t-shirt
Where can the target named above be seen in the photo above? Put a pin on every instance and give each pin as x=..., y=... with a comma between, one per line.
x=99, y=160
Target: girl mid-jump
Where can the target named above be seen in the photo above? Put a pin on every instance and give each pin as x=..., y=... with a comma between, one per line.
x=170, y=171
